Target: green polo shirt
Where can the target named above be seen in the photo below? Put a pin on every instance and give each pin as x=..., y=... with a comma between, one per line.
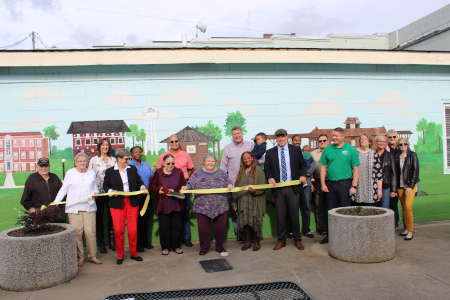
x=339, y=161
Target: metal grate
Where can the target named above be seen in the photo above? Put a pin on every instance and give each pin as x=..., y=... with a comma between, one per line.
x=215, y=265
x=269, y=291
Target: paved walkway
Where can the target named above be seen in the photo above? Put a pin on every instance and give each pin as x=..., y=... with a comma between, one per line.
x=420, y=270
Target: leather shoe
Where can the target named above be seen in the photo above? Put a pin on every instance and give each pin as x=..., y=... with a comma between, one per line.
x=246, y=246
x=324, y=241
x=119, y=261
x=299, y=245
x=136, y=258
x=95, y=261
x=188, y=243
x=102, y=248
x=80, y=262
x=279, y=246
x=140, y=249
x=408, y=239
x=148, y=245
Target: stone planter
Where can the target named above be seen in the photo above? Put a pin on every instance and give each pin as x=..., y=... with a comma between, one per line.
x=32, y=263
x=361, y=239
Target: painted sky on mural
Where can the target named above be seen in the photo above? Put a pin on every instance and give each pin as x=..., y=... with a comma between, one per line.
x=86, y=23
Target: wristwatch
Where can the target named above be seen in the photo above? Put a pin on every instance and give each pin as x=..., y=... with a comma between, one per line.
x=355, y=187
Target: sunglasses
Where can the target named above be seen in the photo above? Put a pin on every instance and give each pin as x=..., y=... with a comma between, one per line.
x=393, y=137
x=126, y=159
x=322, y=141
x=174, y=141
x=169, y=164
x=403, y=144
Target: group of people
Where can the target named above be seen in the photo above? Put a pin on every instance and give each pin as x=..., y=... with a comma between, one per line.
x=333, y=175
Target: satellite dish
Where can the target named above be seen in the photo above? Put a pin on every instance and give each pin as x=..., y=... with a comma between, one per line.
x=202, y=26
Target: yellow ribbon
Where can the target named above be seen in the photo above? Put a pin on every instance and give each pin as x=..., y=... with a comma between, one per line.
x=143, y=210
x=243, y=188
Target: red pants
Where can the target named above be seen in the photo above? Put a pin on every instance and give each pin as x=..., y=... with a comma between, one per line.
x=119, y=215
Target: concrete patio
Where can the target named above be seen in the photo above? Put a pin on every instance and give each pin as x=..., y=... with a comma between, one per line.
x=420, y=270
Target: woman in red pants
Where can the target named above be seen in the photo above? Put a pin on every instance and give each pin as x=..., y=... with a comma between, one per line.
x=125, y=178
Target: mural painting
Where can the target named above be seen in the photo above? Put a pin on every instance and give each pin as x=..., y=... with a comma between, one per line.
x=59, y=119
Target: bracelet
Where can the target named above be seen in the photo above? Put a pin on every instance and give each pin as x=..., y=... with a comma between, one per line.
x=355, y=187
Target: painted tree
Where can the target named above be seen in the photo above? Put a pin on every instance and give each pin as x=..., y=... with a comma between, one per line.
x=234, y=119
x=134, y=131
x=421, y=126
x=212, y=130
x=141, y=136
x=51, y=134
x=438, y=132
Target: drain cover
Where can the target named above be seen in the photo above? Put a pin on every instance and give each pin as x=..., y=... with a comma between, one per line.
x=216, y=265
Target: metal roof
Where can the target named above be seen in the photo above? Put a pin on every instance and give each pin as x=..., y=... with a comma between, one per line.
x=98, y=127
x=189, y=134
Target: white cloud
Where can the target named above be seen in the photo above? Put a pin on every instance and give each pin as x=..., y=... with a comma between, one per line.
x=323, y=108
x=332, y=91
x=39, y=93
x=119, y=98
x=164, y=114
x=233, y=101
x=29, y=104
x=389, y=100
x=30, y=123
x=249, y=112
x=403, y=113
x=186, y=96
x=297, y=121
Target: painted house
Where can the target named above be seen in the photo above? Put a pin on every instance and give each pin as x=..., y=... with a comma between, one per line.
x=20, y=151
x=87, y=134
x=195, y=144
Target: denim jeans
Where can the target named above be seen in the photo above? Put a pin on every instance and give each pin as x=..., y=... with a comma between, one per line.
x=393, y=204
x=386, y=198
x=305, y=208
x=338, y=194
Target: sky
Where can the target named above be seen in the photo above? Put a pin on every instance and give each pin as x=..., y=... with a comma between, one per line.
x=83, y=23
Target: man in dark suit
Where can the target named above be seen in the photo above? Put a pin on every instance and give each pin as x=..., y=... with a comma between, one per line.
x=283, y=163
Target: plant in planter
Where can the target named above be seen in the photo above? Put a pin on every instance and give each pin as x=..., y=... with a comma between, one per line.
x=39, y=254
x=362, y=235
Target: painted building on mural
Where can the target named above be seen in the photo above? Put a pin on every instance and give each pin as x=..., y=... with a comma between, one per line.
x=87, y=134
x=302, y=84
x=20, y=151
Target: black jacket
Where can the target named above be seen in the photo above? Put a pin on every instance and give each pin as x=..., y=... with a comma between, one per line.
x=297, y=164
x=410, y=172
x=113, y=181
x=38, y=191
x=389, y=172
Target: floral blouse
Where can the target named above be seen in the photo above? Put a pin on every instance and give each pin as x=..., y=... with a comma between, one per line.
x=99, y=167
x=210, y=205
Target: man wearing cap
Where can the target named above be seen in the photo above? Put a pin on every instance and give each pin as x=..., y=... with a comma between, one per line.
x=285, y=162
x=41, y=189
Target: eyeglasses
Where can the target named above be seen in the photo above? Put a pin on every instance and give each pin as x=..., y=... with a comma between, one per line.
x=322, y=141
x=174, y=141
x=82, y=162
x=381, y=142
x=393, y=137
x=169, y=164
x=403, y=144
x=126, y=159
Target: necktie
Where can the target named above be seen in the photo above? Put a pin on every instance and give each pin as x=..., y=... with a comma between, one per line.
x=283, y=166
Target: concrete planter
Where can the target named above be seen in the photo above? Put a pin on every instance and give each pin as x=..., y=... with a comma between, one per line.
x=32, y=263
x=361, y=239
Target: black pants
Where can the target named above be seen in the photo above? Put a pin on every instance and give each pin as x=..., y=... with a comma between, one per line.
x=320, y=207
x=142, y=227
x=338, y=194
x=287, y=200
x=170, y=225
x=363, y=204
x=99, y=215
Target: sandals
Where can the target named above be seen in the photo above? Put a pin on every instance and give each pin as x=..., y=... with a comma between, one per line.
x=165, y=252
x=178, y=251
x=246, y=246
x=202, y=252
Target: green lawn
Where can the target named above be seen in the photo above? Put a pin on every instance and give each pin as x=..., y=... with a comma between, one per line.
x=435, y=206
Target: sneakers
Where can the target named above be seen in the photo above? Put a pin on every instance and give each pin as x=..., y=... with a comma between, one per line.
x=309, y=234
x=223, y=252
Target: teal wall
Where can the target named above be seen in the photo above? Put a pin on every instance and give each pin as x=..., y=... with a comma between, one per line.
x=297, y=97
